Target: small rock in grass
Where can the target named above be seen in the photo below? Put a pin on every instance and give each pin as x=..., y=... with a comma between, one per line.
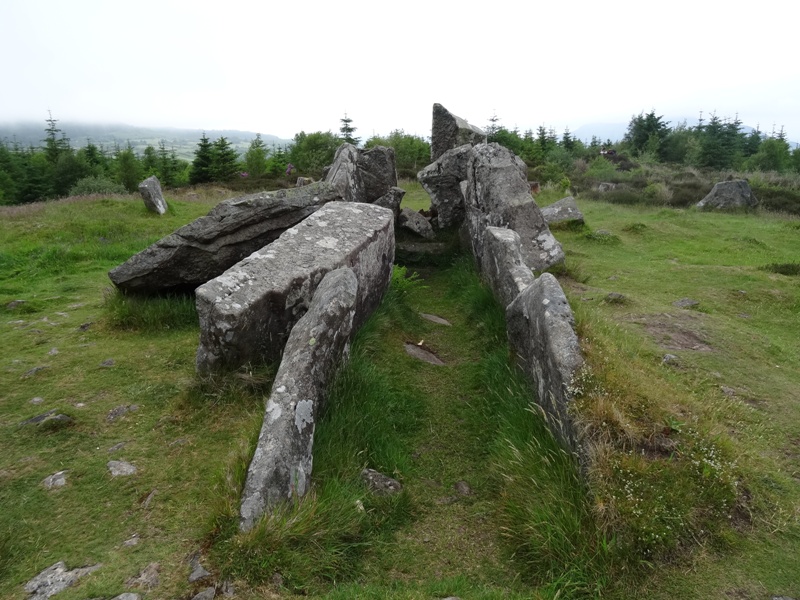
x=14, y=304
x=198, y=571
x=463, y=488
x=120, y=468
x=669, y=359
x=116, y=413
x=53, y=351
x=147, y=579
x=34, y=371
x=55, y=480
x=37, y=400
x=728, y=391
x=131, y=541
x=127, y=596
x=380, y=484
x=109, y=362
x=54, y=579
x=686, y=303
x=118, y=446
x=616, y=298
x=206, y=594
x=85, y=326
x=435, y=319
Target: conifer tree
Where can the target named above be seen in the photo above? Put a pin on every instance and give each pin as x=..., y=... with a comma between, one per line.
x=201, y=171
x=225, y=160
x=347, y=131
x=255, y=159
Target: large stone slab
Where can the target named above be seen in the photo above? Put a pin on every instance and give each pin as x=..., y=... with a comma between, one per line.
x=541, y=333
x=503, y=268
x=281, y=466
x=442, y=180
x=246, y=313
x=449, y=131
x=232, y=230
x=497, y=194
x=729, y=195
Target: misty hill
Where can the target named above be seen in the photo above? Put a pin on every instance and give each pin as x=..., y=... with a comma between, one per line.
x=184, y=141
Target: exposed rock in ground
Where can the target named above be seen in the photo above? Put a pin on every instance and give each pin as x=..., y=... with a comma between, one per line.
x=435, y=319
x=729, y=195
x=120, y=468
x=281, y=466
x=55, y=480
x=449, y=131
x=563, y=211
x=442, y=180
x=246, y=313
x=462, y=488
x=502, y=266
x=380, y=484
x=148, y=579
x=119, y=411
x=686, y=303
x=55, y=579
x=541, y=333
x=413, y=221
x=498, y=195
x=50, y=417
x=198, y=572
x=605, y=187
x=207, y=246
x=423, y=354
x=206, y=594
x=150, y=189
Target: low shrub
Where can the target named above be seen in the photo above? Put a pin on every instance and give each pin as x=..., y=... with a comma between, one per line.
x=96, y=185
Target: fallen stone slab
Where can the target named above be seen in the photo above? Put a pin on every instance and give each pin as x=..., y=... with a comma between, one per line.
x=150, y=190
x=449, y=131
x=120, y=468
x=435, y=319
x=281, y=466
x=563, y=211
x=416, y=223
x=247, y=313
x=541, y=333
x=55, y=480
x=502, y=266
x=392, y=200
x=420, y=353
x=209, y=245
x=55, y=579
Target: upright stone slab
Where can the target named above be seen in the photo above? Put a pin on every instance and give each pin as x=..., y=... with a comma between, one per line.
x=442, y=180
x=449, y=131
x=204, y=248
x=150, y=190
x=281, y=466
x=362, y=175
x=246, y=313
x=541, y=333
x=497, y=194
x=503, y=268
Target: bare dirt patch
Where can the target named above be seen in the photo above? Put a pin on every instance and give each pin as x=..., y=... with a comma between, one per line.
x=674, y=332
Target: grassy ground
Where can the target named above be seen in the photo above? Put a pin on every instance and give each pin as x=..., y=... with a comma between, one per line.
x=734, y=378
x=714, y=431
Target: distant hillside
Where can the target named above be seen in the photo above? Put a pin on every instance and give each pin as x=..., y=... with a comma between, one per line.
x=110, y=135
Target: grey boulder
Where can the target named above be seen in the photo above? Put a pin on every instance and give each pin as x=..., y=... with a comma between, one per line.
x=442, y=180
x=729, y=195
x=55, y=579
x=503, y=268
x=415, y=222
x=150, y=190
x=362, y=175
x=563, y=211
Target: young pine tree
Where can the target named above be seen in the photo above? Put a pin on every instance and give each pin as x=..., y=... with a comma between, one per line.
x=255, y=159
x=201, y=170
x=347, y=130
x=225, y=160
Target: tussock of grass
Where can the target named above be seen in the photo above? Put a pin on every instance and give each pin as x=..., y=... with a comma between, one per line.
x=150, y=313
x=790, y=269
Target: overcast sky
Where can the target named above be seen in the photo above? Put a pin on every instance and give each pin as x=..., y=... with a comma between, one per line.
x=282, y=67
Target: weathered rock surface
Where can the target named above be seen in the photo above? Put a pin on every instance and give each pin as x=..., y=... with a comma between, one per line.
x=502, y=266
x=449, y=131
x=413, y=221
x=206, y=247
x=442, y=180
x=207, y=594
x=392, y=200
x=319, y=342
x=563, y=211
x=301, y=181
x=541, y=333
x=605, y=187
x=148, y=579
x=55, y=480
x=362, y=175
x=55, y=579
x=120, y=468
x=498, y=195
x=246, y=313
x=729, y=195
x=380, y=484
x=423, y=354
x=198, y=572
x=150, y=189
